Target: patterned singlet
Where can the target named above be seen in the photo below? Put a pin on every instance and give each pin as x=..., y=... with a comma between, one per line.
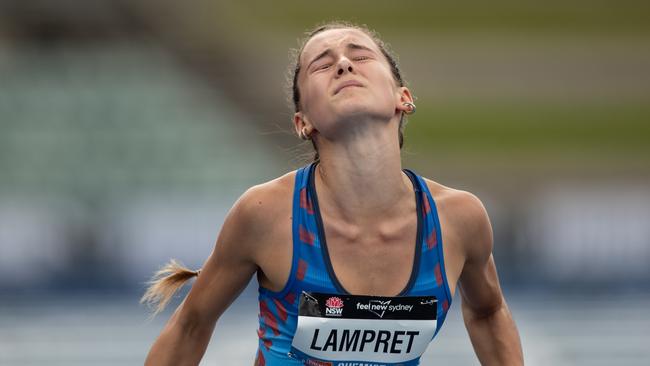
x=284, y=314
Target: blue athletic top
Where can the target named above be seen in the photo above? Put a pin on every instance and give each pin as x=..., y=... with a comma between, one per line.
x=311, y=269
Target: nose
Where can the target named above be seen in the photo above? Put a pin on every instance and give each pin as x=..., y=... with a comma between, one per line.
x=344, y=66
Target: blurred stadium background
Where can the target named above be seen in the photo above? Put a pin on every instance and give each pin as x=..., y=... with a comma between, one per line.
x=128, y=129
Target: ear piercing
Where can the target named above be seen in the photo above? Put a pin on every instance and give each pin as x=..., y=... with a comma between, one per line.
x=410, y=106
x=303, y=134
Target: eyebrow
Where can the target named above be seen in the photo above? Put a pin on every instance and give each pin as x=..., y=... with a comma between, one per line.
x=350, y=46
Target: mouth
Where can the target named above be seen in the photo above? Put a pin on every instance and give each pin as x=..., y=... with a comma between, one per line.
x=347, y=84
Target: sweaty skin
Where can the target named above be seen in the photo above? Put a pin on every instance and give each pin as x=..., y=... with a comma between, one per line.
x=367, y=207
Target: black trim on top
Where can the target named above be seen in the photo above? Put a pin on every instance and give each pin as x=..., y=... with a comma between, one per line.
x=321, y=232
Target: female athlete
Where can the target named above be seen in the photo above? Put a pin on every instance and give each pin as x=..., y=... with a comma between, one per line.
x=348, y=250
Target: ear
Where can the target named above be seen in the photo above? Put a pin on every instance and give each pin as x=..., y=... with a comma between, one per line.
x=300, y=121
x=403, y=96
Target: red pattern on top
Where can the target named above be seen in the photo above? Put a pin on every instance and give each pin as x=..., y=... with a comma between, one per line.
x=271, y=321
x=445, y=305
x=438, y=274
x=302, y=270
x=282, y=311
x=425, y=201
x=260, y=359
x=267, y=342
x=305, y=202
x=306, y=236
x=290, y=298
x=432, y=240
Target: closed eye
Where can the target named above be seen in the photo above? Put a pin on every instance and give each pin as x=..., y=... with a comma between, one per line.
x=321, y=67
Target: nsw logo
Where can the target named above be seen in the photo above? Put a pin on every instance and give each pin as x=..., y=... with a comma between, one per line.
x=334, y=306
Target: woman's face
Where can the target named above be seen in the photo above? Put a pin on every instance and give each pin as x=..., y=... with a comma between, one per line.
x=345, y=78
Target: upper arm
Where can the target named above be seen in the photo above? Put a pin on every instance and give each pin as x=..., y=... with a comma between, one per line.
x=478, y=282
x=229, y=267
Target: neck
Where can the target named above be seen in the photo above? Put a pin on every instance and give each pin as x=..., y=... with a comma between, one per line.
x=362, y=179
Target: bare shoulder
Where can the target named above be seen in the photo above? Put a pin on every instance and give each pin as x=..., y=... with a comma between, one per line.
x=264, y=203
x=463, y=206
x=269, y=193
x=465, y=216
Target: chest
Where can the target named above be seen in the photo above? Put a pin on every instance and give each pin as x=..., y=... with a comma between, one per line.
x=376, y=259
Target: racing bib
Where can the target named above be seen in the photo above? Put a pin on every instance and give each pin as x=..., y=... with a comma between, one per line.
x=348, y=330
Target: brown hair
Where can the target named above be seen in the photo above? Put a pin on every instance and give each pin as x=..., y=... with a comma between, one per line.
x=385, y=50
x=164, y=284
